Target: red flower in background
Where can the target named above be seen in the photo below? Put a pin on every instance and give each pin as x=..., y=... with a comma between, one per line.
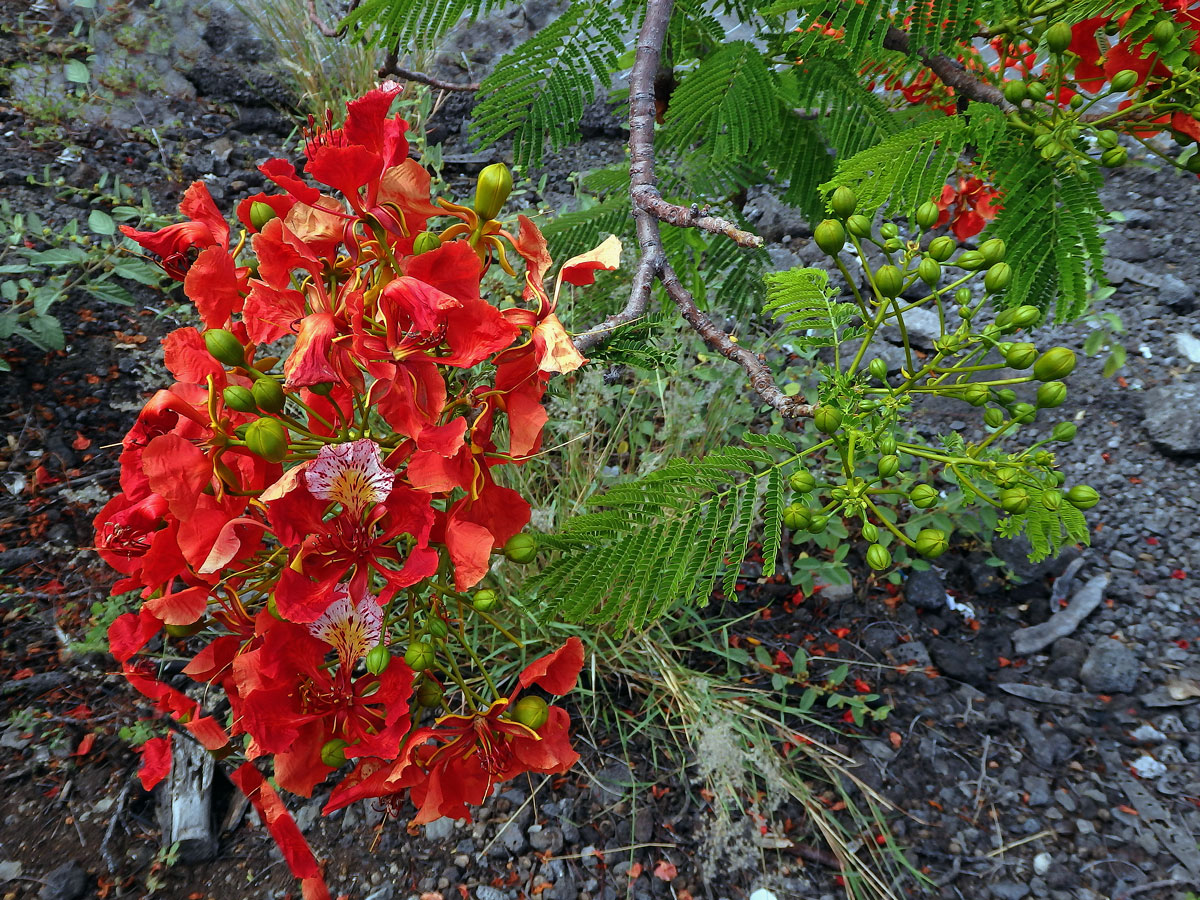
x=968, y=207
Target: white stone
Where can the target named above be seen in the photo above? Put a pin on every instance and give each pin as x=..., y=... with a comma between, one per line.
x=1041, y=863
x=1148, y=767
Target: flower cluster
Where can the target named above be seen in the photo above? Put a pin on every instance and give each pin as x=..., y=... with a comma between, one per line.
x=319, y=519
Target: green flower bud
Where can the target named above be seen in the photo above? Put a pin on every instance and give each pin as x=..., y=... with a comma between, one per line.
x=1054, y=364
x=998, y=278
x=888, y=466
x=930, y=271
x=1064, y=432
x=797, y=516
x=1015, y=92
x=878, y=557
x=1007, y=476
x=893, y=245
x=993, y=251
x=887, y=445
x=1051, y=394
x=224, y=347
x=802, y=481
x=437, y=628
x=928, y=214
x=1021, y=356
x=1023, y=413
x=970, y=260
x=239, y=398
x=492, y=189
x=1193, y=164
x=333, y=753
x=859, y=226
x=889, y=281
x=830, y=236
x=878, y=369
x=1107, y=139
x=1026, y=316
x=889, y=230
x=521, y=548
x=828, y=419
x=268, y=395
x=870, y=532
x=843, y=202
x=923, y=496
x=1114, y=158
x=268, y=439
x=1037, y=90
x=1163, y=33
x=942, y=248
x=420, y=655
x=484, y=600
x=1006, y=397
x=429, y=694
x=426, y=241
x=993, y=417
x=818, y=524
x=324, y=389
x=931, y=542
x=1052, y=500
x=260, y=214
x=378, y=659
x=1014, y=500
x=1058, y=37
x=531, y=711
x=976, y=395
x=1083, y=496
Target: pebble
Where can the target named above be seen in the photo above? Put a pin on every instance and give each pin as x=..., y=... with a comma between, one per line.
x=1009, y=890
x=487, y=892
x=1148, y=767
x=1148, y=734
x=1041, y=863
x=67, y=882
x=1110, y=668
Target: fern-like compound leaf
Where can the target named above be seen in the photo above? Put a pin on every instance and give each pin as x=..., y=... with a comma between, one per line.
x=803, y=301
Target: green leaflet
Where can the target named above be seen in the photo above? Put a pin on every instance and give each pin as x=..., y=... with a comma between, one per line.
x=802, y=300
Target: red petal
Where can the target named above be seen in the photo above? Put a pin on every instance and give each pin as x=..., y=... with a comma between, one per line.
x=187, y=358
x=130, y=633
x=557, y=672
x=283, y=173
x=198, y=205
x=213, y=285
x=283, y=829
x=180, y=608
x=156, y=761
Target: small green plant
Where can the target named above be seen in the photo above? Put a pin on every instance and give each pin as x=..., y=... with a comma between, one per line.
x=1104, y=338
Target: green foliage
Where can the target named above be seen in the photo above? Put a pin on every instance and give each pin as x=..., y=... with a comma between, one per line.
x=803, y=301
x=664, y=538
x=413, y=23
x=537, y=93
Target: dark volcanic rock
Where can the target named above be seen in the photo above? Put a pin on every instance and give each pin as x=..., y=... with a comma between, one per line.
x=1172, y=418
x=1110, y=668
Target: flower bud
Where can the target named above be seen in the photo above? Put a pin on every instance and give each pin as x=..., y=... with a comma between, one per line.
x=859, y=226
x=931, y=542
x=1014, y=500
x=1026, y=316
x=888, y=466
x=976, y=395
x=1021, y=355
x=843, y=202
x=378, y=659
x=889, y=281
x=437, y=628
x=420, y=656
x=923, y=496
x=993, y=417
x=830, y=236
x=1055, y=363
x=260, y=214
x=802, y=481
x=878, y=369
x=426, y=241
x=268, y=395
x=1163, y=33
x=1015, y=92
x=993, y=251
x=429, y=694
x=1058, y=37
x=492, y=189
x=239, y=398
x=333, y=753
x=1083, y=496
x=1064, y=432
x=817, y=524
x=1052, y=500
x=1037, y=90
x=531, y=711
x=869, y=532
x=930, y=271
x=942, y=248
x=998, y=278
x=796, y=516
x=1023, y=413
x=1114, y=158
x=970, y=260
x=521, y=548
x=268, y=439
x=887, y=445
x=224, y=347
x=1051, y=394
x=828, y=419
x=484, y=600
x=927, y=214
x=889, y=230
x=878, y=557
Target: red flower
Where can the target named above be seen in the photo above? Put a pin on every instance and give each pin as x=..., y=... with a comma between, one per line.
x=968, y=207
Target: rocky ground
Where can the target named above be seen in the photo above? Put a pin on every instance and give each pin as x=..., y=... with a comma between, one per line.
x=1068, y=771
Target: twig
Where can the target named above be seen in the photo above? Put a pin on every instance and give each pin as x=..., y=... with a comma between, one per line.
x=647, y=197
x=639, y=299
x=818, y=855
x=649, y=208
x=320, y=23
x=407, y=74
x=950, y=72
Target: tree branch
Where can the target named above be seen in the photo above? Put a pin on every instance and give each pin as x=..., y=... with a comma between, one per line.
x=950, y=72
x=649, y=207
x=393, y=68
